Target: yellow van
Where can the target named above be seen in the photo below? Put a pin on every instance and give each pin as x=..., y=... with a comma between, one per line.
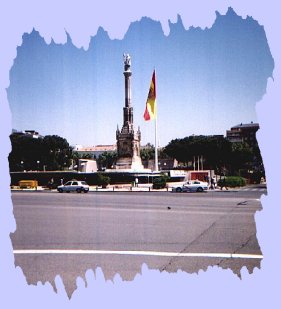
x=28, y=184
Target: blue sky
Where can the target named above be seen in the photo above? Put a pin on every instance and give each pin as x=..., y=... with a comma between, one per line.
x=207, y=80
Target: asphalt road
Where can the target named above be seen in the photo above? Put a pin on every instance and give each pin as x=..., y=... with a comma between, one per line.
x=67, y=234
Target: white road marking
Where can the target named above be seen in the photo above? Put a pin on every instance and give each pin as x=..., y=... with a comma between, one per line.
x=144, y=253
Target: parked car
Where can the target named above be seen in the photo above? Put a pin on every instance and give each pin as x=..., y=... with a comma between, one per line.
x=191, y=186
x=75, y=186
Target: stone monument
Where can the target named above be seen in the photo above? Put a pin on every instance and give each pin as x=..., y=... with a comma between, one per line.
x=128, y=140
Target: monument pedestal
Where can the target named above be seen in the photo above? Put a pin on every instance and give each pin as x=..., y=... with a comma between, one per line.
x=133, y=163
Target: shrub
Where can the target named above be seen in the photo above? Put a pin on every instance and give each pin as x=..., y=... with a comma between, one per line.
x=232, y=181
x=103, y=180
x=159, y=182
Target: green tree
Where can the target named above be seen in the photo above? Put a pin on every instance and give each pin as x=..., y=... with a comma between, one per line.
x=87, y=156
x=241, y=158
x=107, y=159
x=26, y=153
x=147, y=152
x=51, y=152
x=218, y=153
x=57, y=153
x=215, y=150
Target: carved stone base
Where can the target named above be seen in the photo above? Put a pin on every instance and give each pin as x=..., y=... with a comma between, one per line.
x=132, y=163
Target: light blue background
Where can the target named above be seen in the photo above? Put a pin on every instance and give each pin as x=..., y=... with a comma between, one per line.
x=215, y=288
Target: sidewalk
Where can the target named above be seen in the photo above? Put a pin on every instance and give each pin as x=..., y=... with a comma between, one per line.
x=110, y=188
x=124, y=188
x=128, y=188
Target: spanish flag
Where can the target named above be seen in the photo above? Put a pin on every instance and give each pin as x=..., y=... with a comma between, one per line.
x=150, y=109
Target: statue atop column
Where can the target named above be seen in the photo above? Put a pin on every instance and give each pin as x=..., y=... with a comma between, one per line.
x=127, y=62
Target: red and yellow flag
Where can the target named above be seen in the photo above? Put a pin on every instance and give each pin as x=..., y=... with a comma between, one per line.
x=150, y=108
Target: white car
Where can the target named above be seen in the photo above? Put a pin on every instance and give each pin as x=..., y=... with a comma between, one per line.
x=191, y=186
x=74, y=185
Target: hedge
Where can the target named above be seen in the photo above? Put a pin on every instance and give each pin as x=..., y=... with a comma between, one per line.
x=232, y=181
x=159, y=183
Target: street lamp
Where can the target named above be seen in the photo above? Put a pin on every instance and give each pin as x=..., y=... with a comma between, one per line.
x=38, y=162
x=21, y=162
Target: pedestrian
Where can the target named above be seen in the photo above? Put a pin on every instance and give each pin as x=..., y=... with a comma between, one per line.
x=137, y=182
x=212, y=183
x=51, y=183
x=223, y=184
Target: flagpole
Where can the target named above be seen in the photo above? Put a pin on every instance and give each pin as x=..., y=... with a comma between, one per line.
x=156, y=145
x=156, y=133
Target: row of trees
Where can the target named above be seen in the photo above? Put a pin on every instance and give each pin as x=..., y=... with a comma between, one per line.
x=54, y=153
x=219, y=154
x=51, y=153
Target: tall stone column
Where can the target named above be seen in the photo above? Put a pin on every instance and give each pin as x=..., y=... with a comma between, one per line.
x=127, y=75
x=128, y=109
x=128, y=141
